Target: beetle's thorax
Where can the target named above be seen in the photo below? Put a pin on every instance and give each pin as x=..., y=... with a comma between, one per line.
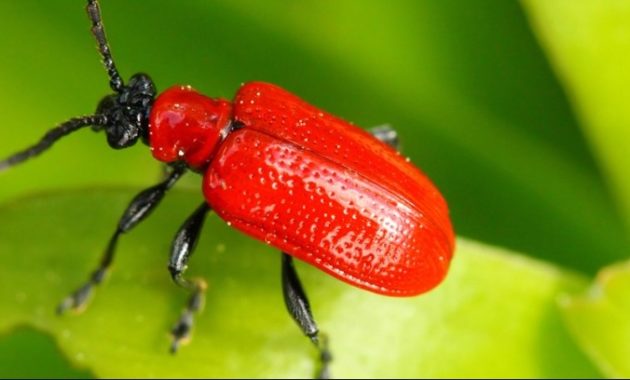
x=187, y=126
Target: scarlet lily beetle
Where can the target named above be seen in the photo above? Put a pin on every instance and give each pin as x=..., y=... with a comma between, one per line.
x=282, y=171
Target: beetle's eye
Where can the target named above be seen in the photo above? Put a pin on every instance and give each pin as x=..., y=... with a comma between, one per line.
x=121, y=134
x=105, y=107
x=142, y=84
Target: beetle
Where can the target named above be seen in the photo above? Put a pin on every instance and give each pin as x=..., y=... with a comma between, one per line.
x=281, y=171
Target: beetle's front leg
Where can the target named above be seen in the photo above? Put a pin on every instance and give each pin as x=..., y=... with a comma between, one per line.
x=139, y=208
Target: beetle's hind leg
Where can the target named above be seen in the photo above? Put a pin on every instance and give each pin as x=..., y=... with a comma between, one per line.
x=183, y=246
x=386, y=134
x=138, y=209
x=298, y=306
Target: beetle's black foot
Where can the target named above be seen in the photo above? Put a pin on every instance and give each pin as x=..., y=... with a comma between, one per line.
x=324, y=371
x=325, y=357
x=181, y=331
x=77, y=300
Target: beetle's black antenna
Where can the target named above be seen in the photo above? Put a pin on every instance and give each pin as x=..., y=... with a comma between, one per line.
x=122, y=115
x=94, y=12
x=50, y=137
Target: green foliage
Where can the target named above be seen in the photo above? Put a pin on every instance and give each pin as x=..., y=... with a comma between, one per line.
x=463, y=328
x=590, y=49
x=599, y=320
x=526, y=161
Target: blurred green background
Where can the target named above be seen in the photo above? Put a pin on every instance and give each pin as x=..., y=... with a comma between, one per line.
x=500, y=102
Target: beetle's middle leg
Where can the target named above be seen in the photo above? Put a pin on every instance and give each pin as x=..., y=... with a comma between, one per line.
x=183, y=246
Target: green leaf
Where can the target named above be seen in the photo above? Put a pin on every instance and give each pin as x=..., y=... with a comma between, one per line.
x=588, y=44
x=600, y=320
x=465, y=83
x=23, y=346
x=494, y=316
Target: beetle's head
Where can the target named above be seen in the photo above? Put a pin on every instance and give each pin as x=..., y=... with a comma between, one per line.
x=123, y=115
x=126, y=113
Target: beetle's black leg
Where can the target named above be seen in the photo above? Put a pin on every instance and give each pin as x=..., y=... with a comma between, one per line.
x=140, y=207
x=183, y=247
x=298, y=306
x=386, y=134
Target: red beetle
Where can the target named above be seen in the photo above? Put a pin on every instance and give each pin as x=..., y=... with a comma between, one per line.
x=282, y=171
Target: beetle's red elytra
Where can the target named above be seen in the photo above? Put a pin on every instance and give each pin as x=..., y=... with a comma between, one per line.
x=281, y=171
x=309, y=184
